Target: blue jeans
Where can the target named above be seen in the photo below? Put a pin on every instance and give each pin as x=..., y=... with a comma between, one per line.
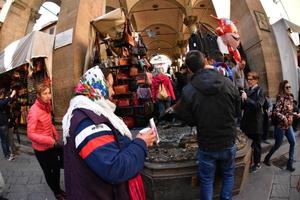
x=278, y=136
x=207, y=168
x=163, y=105
x=4, y=140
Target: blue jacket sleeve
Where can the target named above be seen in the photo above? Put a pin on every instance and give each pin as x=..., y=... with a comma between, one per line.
x=4, y=102
x=96, y=144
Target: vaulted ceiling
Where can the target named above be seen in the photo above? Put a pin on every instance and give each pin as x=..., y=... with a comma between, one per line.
x=161, y=22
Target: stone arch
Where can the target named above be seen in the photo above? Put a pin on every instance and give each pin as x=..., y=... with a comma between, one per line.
x=20, y=20
x=140, y=2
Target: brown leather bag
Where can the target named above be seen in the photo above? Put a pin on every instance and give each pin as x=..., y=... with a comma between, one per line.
x=129, y=39
x=121, y=76
x=123, y=102
x=134, y=71
x=129, y=121
x=121, y=89
x=123, y=61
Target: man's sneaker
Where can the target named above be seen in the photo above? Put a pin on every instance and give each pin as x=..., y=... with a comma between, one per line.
x=11, y=157
x=254, y=168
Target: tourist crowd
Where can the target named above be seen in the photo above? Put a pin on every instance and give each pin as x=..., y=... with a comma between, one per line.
x=101, y=158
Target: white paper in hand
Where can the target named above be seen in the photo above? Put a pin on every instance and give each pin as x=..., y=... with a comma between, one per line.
x=154, y=129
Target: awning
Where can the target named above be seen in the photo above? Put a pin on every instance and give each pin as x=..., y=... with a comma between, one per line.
x=110, y=23
x=35, y=44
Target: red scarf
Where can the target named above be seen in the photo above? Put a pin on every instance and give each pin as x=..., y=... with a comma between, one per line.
x=136, y=188
x=42, y=105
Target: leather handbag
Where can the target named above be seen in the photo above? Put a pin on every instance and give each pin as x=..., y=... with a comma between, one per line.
x=143, y=93
x=129, y=121
x=127, y=36
x=134, y=60
x=123, y=61
x=162, y=92
x=121, y=89
x=125, y=52
x=141, y=79
x=135, y=100
x=133, y=71
x=123, y=102
x=121, y=76
x=133, y=85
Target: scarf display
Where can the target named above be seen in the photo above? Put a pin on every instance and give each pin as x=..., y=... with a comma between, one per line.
x=91, y=94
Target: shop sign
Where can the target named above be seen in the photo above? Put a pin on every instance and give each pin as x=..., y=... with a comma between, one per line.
x=63, y=38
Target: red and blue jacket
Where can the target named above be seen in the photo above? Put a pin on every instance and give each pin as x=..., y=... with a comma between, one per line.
x=98, y=159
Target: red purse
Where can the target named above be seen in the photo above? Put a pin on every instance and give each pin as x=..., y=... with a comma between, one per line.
x=123, y=102
x=129, y=121
x=121, y=76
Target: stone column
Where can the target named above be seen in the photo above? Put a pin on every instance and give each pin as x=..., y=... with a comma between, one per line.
x=15, y=24
x=259, y=44
x=68, y=61
x=182, y=44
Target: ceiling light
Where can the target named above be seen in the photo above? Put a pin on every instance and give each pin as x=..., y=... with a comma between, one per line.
x=155, y=7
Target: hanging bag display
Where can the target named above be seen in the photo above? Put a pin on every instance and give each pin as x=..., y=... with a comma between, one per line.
x=162, y=92
x=142, y=49
x=127, y=36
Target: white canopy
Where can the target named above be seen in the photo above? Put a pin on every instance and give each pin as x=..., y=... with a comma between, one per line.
x=110, y=22
x=35, y=44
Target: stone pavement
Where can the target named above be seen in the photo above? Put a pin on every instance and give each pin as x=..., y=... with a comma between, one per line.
x=274, y=183
x=25, y=180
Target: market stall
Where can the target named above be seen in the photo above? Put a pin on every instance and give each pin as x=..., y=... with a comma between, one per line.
x=24, y=63
x=113, y=45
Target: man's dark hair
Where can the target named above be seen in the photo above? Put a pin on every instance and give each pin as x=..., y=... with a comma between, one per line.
x=194, y=60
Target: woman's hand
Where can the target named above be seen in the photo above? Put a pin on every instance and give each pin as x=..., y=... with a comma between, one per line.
x=13, y=93
x=149, y=137
x=244, y=96
x=296, y=115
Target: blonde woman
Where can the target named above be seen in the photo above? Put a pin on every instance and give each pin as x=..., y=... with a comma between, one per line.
x=44, y=138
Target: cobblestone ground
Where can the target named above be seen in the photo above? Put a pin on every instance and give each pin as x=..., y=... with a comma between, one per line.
x=284, y=182
x=24, y=179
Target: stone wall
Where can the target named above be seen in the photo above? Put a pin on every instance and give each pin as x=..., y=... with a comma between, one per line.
x=259, y=45
x=68, y=61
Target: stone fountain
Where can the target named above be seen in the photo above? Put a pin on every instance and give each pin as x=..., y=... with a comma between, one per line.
x=170, y=171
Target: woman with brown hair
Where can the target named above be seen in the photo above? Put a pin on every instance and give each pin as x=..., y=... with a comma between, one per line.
x=44, y=138
x=283, y=113
x=251, y=123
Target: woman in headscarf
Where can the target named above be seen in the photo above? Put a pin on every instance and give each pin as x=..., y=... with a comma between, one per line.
x=102, y=160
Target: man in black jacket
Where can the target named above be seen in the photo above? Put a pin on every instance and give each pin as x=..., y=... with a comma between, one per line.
x=211, y=103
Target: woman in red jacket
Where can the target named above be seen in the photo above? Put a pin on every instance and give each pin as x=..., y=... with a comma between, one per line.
x=162, y=82
x=44, y=138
